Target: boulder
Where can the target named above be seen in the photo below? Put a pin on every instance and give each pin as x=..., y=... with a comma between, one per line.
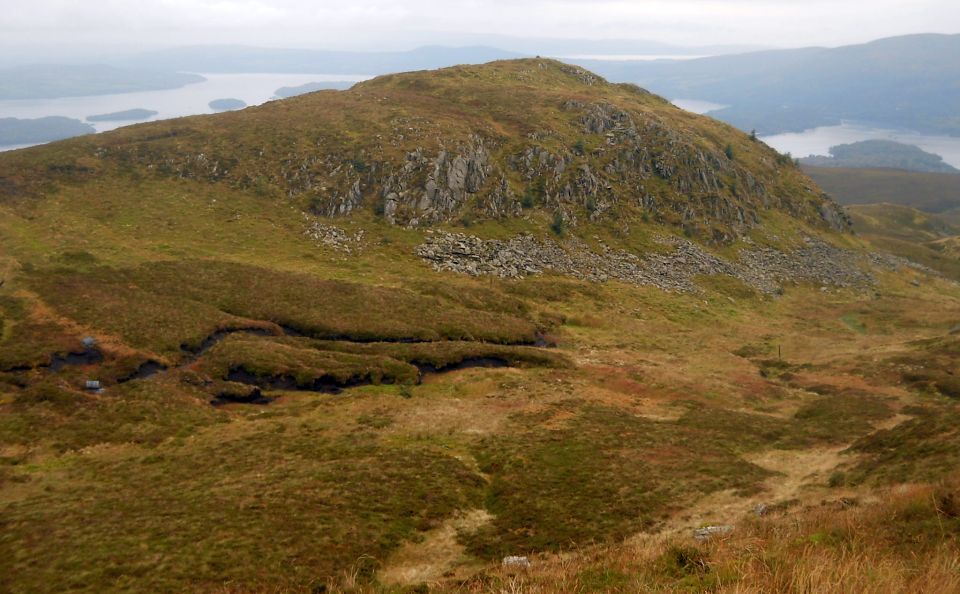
x=515, y=561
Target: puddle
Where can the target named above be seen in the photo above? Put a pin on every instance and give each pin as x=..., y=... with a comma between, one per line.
x=145, y=370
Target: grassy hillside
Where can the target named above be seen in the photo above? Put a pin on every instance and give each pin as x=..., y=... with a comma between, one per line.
x=900, y=222
x=924, y=238
x=292, y=399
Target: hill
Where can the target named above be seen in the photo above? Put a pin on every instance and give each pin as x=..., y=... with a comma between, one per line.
x=405, y=146
x=908, y=82
x=882, y=154
x=377, y=340
x=48, y=81
x=924, y=238
x=19, y=131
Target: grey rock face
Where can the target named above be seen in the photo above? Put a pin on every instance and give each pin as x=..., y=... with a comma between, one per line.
x=435, y=189
x=601, y=118
x=346, y=204
x=835, y=217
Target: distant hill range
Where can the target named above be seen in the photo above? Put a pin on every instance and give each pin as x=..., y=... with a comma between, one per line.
x=243, y=59
x=885, y=154
x=910, y=213
x=171, y=68
x=461, y=50
x=49, y=81
x=911, y=81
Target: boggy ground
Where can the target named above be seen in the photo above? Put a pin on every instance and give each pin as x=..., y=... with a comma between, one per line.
x=625, y=417
x=653, y=415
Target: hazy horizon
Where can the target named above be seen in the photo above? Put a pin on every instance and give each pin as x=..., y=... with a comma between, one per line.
x=49, y=29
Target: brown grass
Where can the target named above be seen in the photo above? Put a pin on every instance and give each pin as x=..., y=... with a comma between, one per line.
x=905, y=542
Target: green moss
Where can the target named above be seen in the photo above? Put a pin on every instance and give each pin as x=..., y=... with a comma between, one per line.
x=853, y=322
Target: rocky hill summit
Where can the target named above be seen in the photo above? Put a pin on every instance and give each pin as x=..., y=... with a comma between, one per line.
x=478, y=143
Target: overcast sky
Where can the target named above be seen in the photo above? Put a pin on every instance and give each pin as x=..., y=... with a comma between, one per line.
x=387, y=24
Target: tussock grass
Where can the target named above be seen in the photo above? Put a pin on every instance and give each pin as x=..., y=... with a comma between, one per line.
x=837, y=418
x=112, y=303
x=641, y=469
x=931, y=365
x=301, y=363
x=331, y=309
x=921, y=449
x=288, y=518
x=54, y=414
x=27, y=340
x=908, y=542
x=832, y=419
x=31, y=343
x=162, y=306
x=474, y=296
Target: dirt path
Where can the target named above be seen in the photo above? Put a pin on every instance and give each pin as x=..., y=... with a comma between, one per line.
x=436, y=555
x=799, y=475
x=798, y=472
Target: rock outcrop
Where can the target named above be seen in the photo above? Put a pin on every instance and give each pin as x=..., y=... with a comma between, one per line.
x=332, y=236
x=676, y=269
